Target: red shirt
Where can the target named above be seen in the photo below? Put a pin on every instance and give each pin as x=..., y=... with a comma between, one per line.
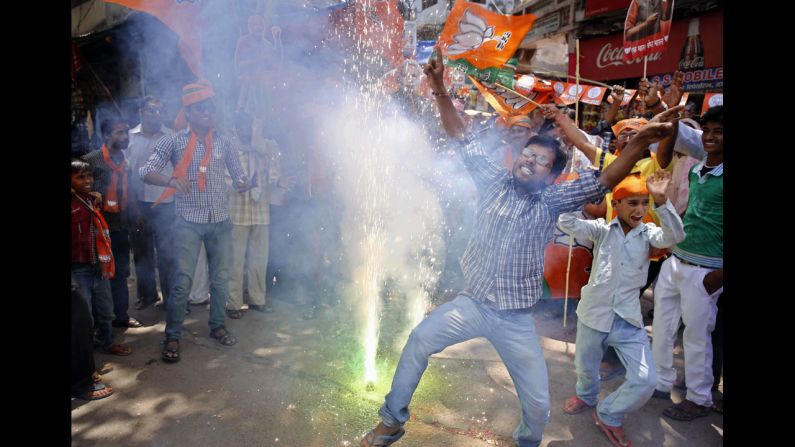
x=84, y=239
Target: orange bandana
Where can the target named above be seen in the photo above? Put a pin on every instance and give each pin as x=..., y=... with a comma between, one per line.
x=104, y=252
x=181, y=171
x=632, y=185
x=112, y=197
x=632, y=123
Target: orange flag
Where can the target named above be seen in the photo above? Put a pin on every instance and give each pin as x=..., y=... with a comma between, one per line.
x=711, y=100
x=508, y=103
x=628, y=94
x=183, y=18
x=483, y=38
x=567, y=93
x=593, y=95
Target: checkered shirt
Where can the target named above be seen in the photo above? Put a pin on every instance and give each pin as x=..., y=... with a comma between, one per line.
x=212, y=205
x=504, y=258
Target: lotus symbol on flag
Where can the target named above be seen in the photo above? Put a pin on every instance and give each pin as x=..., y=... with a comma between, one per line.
x=473, y=32
x=510, y=98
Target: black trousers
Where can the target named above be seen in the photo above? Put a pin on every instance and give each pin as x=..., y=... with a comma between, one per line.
x=82, y=345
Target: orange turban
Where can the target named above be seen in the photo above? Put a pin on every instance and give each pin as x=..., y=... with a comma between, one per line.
x=632, y=185
x=632, y=123
x=196, y=92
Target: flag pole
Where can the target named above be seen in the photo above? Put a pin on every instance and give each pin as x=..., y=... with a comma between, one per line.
x=517, y=93
x=571, y=169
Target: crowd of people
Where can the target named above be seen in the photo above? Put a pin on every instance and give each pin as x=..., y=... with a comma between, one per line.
x=645, y=205
x=190, y=206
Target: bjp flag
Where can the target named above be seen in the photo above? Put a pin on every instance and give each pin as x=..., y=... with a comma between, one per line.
x=508, y=103
x=628, y=95
x=711, y=100
x=593, y=95
x=483, y=38
x=183, y=18
x=566, y=93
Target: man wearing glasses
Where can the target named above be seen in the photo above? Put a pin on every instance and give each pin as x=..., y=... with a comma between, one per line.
x=503, y=265
x=153, y=234
x=200, y=156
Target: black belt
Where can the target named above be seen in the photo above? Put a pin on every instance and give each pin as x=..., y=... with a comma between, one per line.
x=693, y=264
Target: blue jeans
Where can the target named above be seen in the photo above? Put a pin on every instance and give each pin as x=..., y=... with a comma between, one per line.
x=512, y=334
x=120, y=245
x=188, y=238
x=96, y=292
x=155, y=236
x=632, y=346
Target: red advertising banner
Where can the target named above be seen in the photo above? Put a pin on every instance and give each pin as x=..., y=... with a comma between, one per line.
x=711, y=100
x=593, y=95
x=602, y=58
x=596, y=7
x=646, y=27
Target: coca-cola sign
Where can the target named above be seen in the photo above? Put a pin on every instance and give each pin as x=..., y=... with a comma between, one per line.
x=610, y=55
x=600, y=58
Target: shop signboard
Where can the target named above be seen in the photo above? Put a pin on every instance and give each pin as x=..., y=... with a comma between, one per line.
x=596, y=7
x=602, y=57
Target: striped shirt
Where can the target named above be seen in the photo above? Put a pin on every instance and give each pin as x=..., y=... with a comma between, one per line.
x=504, y=258
x=210, y=206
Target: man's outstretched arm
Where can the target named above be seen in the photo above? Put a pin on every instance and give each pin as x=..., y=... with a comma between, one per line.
x=452, y=123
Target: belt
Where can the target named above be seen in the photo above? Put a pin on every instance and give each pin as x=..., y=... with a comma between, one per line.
x=693, y=264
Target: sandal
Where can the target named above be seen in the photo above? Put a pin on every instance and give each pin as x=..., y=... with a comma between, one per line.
x=575, y=405
x=686, y=411
x=384, y=440
x=615, y=434
x=170, y=352
x=130, y=323
x=236, y=314
x=223, y=336
x=117, y=349
x=97, y=391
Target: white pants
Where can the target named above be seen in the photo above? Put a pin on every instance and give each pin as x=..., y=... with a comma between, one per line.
x=679, y=293
x=249, y=252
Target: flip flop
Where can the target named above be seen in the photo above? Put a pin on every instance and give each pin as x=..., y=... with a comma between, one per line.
x=384, y=440
x=615, y=434
x=170, y=354
x=575, y=405
x=98, y=391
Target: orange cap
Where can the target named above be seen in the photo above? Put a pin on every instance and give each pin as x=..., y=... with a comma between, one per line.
x=632, y=185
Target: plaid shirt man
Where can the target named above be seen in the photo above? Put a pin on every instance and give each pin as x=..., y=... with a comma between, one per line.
x=504, y=259
x=210, y=206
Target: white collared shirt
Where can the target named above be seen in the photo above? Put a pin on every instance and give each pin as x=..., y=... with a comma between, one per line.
x=138, y=152
x=620, y=265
